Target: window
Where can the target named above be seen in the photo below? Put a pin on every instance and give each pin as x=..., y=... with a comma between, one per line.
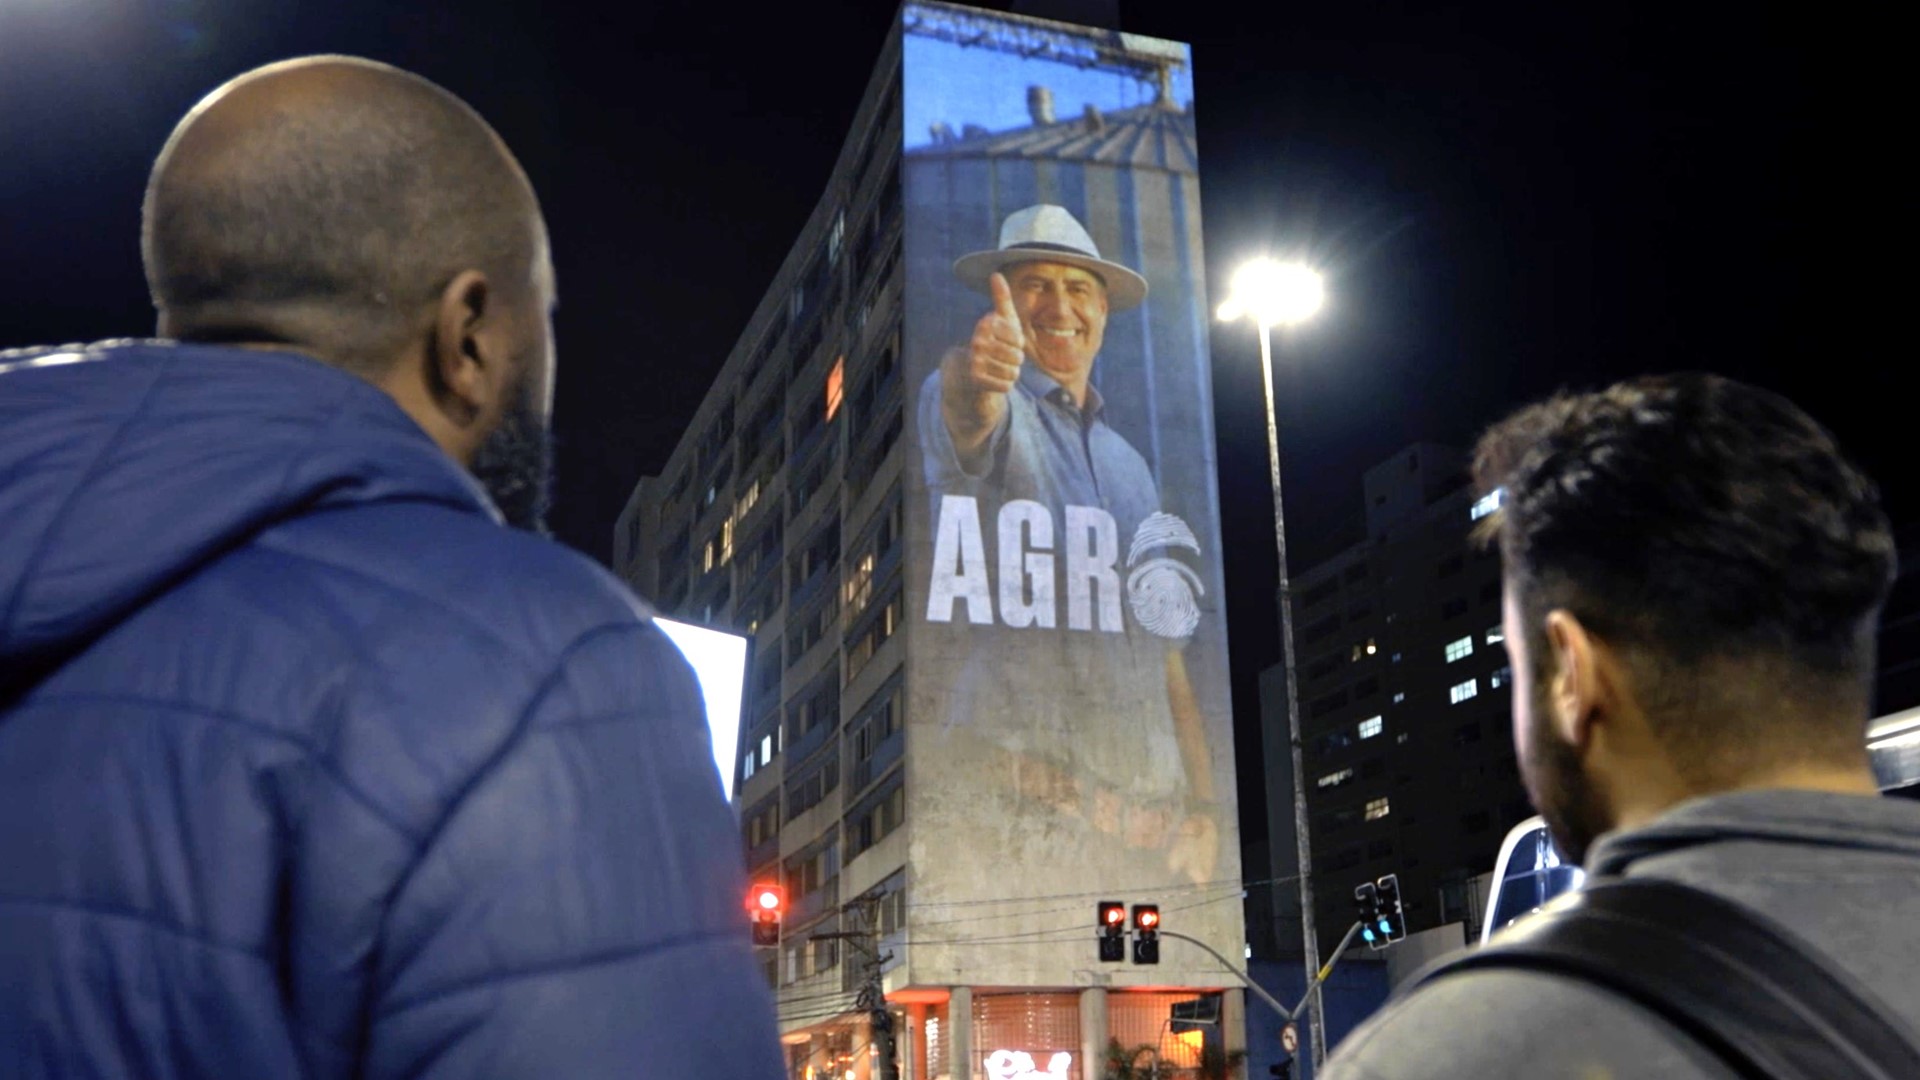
x=1500, y=678
x=836, y=385
x=1377, y=808
x=876, y=635
x=1486, y=504
x=877, y=822
x=1398, y=698
x=1496, y=635
x=706, y=557
x=1400, y=739
x=806, y=792
x=761, y=826
x=837, y=237
x=766, y=749
x=747, y=765
x=1459, y=648
x=1463, y=691
x=726, y=542
x=1334, y=779
x=1338, y=739
x=1327, y=704
x=1371, y=727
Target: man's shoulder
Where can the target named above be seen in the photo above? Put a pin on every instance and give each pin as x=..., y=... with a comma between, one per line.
x=1496, y=1024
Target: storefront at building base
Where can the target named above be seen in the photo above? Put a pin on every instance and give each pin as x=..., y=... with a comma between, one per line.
x=1024, y=1034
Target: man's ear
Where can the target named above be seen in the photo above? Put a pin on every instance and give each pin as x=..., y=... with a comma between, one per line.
x=463, y=368
x=1574, y=691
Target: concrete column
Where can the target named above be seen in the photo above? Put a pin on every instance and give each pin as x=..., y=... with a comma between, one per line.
x=1093, y=1032
x=1233, y=1022
x=915, y=1057
x=960, y=1033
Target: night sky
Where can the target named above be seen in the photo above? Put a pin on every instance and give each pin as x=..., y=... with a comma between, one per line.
x=1507, y=199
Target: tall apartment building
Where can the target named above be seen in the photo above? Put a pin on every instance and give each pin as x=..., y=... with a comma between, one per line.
x=1404, y=694
x=987, y=688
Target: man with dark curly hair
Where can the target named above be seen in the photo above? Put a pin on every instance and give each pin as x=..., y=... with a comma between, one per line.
x=1693, y=575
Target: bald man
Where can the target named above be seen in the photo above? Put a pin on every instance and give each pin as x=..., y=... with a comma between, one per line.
x=312, y=764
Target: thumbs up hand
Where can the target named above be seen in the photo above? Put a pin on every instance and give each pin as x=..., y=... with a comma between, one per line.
x=975, y=381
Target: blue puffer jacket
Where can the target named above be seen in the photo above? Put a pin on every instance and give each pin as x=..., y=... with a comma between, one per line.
x=309, y=768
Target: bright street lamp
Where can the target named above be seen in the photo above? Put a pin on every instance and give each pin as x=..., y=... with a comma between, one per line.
x=1273, y=293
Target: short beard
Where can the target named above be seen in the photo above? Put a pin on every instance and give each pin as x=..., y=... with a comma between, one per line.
x=1559, y=786
x=515, y=464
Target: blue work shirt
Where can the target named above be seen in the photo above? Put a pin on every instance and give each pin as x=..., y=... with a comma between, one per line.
x=1046, y=449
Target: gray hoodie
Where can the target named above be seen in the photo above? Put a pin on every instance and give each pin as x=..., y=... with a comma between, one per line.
x=1843, y=871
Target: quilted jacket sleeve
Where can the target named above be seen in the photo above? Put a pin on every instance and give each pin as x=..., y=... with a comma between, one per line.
x=577, y=910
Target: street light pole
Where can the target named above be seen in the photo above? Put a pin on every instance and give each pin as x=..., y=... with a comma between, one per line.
x=1309, y=942
x=1283, y=294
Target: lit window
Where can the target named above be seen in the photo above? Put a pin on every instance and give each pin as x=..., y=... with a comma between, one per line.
x=1371, y=727
x=1377, y=808
x=1398, y=698
x=1463, y=691
x=1500, y=678
x=766, y=749
x=726, y=542
x=1496, y=635
x=1400, y=739
x=1371, y=647
x=746, y=765
x=1487, y=504
x=1462, y=647
x=1334, y=779
x=1396, y=658
x=706, y=558
x=836, y=385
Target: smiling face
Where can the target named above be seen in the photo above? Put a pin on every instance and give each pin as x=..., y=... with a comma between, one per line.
x=1063, y=312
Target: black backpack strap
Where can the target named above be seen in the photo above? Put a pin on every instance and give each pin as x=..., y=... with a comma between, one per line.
x=1764, y=1001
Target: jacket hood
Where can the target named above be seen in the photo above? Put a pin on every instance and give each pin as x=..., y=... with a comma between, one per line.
x=125, y=466
x=1829, y=820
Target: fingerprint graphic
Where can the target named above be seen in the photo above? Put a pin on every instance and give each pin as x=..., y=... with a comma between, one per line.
x=1162, y=590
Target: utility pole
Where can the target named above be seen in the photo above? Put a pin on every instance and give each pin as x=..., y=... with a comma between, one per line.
x=872, y=998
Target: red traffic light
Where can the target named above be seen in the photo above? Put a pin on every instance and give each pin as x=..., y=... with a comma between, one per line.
x=1146, y=917
x=1113, y=914
x=766, y=898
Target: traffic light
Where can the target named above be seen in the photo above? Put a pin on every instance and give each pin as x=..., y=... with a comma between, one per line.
x=1146, y=933
x=1112, y=923
x=1366, y=907
x=766, y=904
x=1390, y=920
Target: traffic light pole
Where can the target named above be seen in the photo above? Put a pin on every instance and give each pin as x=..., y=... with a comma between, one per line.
x=1321, y=976
x=1245, y=979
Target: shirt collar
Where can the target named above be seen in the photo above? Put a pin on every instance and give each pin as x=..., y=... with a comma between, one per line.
x=1042, y=385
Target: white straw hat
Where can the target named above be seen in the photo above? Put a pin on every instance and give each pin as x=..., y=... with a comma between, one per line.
x=1047, y=233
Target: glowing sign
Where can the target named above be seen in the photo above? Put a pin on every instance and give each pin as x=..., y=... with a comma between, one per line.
x=720, y=663
x=1018, y=1065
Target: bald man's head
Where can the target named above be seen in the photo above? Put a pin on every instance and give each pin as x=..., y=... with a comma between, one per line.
x=331, y=198
x=370, y=219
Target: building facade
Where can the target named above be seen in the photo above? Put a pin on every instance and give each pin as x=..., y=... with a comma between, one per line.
x=1404, y=707
x=986, y=690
